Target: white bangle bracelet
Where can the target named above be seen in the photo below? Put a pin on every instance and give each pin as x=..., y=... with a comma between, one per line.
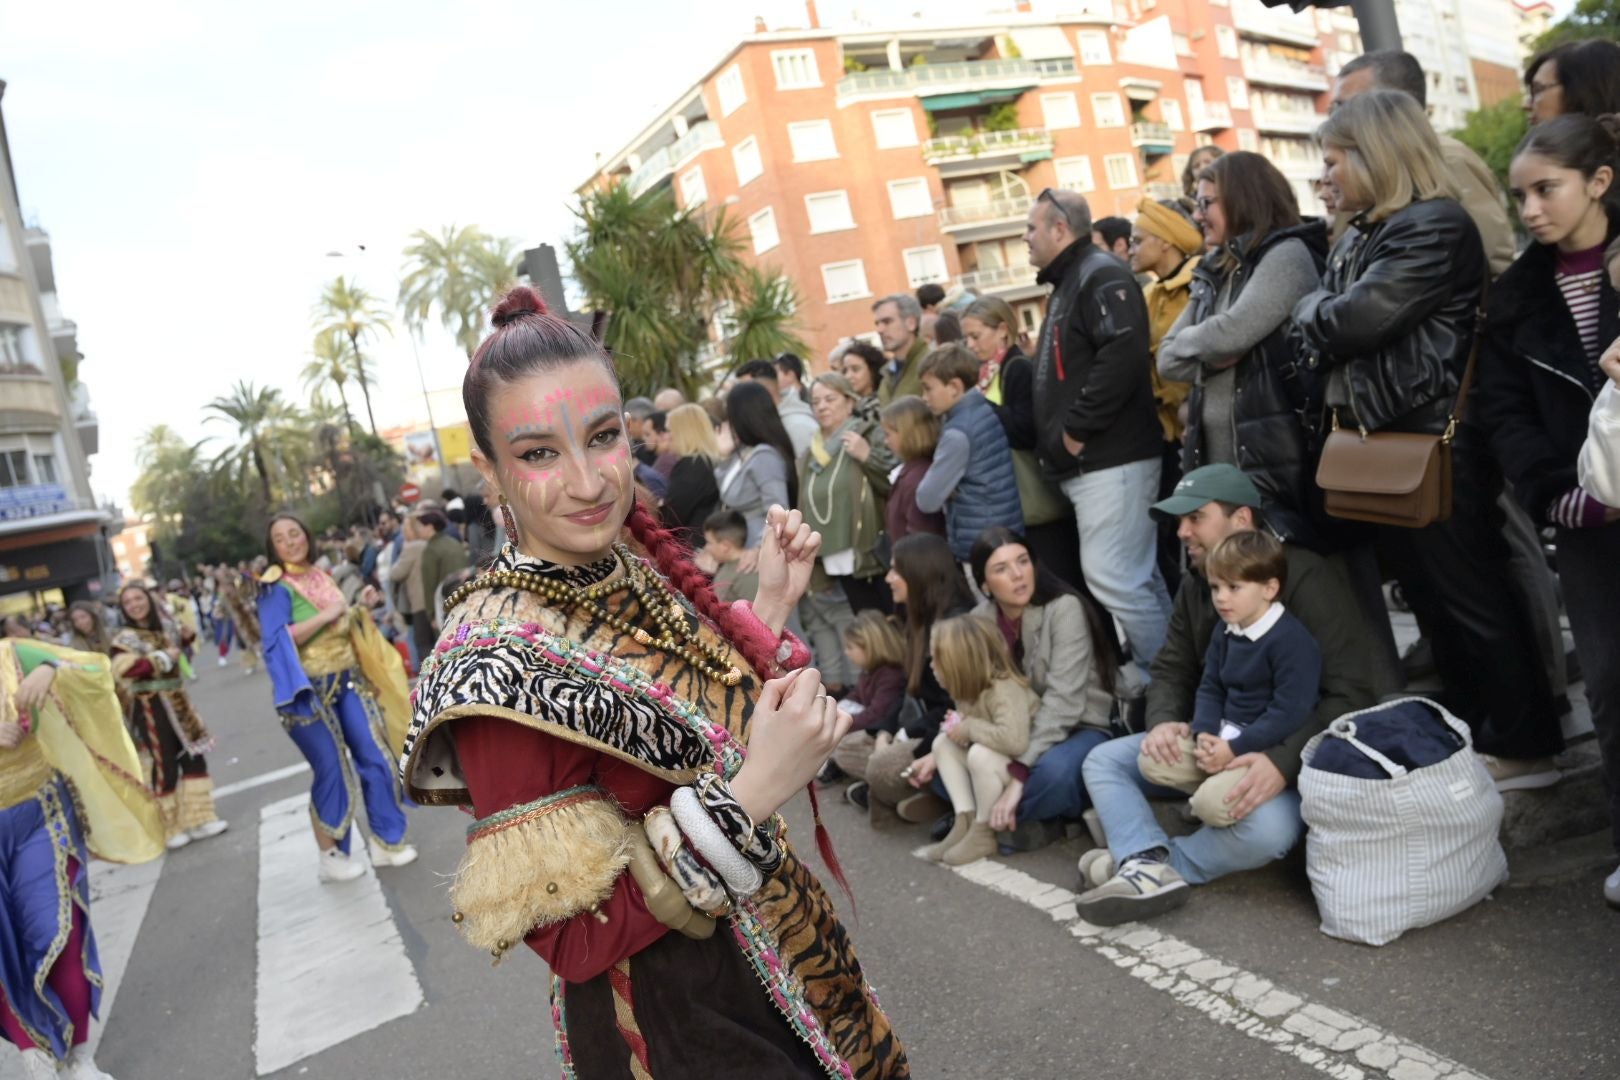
x=741, y=876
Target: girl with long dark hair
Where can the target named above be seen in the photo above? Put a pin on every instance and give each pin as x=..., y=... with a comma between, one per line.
x=591, y=700
x=1549, y=320
x=759, y=473
x=335, y=683
x=166, y=728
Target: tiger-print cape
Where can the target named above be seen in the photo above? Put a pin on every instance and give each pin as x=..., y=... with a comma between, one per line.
x=506, y=652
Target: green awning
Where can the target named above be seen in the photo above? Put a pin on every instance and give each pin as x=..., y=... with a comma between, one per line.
x=1029, y=157
x=943, y=102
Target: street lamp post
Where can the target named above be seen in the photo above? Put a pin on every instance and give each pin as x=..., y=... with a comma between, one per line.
x=421, y=379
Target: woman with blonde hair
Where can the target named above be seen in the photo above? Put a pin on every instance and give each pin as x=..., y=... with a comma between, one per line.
x=693, y=493
x=1392, y=329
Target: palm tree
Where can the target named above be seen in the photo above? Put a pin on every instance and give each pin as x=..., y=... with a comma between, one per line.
x=348, y=310
x=166, y=462
x=765, y=315
x=658, y=272
x=330, y=365
x=252, y=409
x=461, y=272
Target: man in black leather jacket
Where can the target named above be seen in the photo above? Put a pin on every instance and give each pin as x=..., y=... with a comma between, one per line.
x=1097, y=428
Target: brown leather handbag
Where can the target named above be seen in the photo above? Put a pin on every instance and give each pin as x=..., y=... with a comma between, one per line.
x=1393, y=477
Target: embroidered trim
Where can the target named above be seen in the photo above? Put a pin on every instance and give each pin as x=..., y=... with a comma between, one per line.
x=624, y=1018
x=546, y=804
x=559, y=1022
x=786, y=991
x=328, y=690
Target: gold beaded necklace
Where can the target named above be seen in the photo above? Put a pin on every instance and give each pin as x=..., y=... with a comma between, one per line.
x=654, y=594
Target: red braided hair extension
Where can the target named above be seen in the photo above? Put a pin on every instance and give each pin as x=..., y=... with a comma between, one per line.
x=674, y=561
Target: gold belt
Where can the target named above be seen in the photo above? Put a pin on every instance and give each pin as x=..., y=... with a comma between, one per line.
x=23, y=772
x=328, y=653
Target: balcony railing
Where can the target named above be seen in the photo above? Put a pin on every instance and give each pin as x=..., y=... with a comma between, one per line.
x=1255, y=19
x=1274, y=71
x=1163, y=191
x=1212, y=116
x=1148, y=133
x=703, y=135
x=986, y=144
x=1286, y=120
x=999, y=280
x=654, y=169
x=1013, y=209
x=934, y=78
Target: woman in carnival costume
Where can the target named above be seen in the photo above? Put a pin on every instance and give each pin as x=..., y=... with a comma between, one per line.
x=69, y=780
x=625, y=741
x=170, y=734
x=340, y=690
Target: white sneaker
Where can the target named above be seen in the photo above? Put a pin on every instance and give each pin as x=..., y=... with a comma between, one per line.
x=81, y=1065
x=336, y=866
x=1140, y=889
x=38, y=1065
x=1611, y=889
x=209, y=828
x=222, y=661
x=251, y=669
x=177, y=841
x=1096, y=867
x=403, y=855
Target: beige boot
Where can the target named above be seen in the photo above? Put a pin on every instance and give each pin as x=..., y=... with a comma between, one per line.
x=979, y=843
x=959, y=829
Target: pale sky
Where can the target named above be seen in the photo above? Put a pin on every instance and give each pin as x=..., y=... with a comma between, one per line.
x=194, y=163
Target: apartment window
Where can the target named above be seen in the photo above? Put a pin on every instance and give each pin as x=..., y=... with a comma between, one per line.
x=812, y=140
x=1074, y=174
x=795, y=69
x=729, y=88
x=8, y=257
x=845, y=280
x=1171, y=111
x=829, y=211
x=1226, y=41
x=1183, y=45
x=13, y=468
x=693, y=190
x=1237, y=92
x=1094, y=47
x=1248, y=139
x=745, y=155
x=762, y=226
x=925, y=265
x=1121, y=169
x=1108, y=110
x=1059, y=111
x=910, y=198
x=45, y=468
x=894, y=128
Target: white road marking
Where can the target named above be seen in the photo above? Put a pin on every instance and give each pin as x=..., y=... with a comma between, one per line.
x=331, y=962
x=119, y=896
x=1331, y=1041
x=262, y=779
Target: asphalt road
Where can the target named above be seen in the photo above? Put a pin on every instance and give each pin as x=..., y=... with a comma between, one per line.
x=979, y=983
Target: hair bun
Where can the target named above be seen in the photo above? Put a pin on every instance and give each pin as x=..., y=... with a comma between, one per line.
x=520, y=301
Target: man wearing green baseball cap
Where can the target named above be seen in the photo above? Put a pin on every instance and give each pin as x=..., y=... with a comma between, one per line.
x=1143, y=872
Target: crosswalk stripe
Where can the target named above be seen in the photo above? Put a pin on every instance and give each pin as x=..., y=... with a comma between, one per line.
x=331, y=962
x=262, y=779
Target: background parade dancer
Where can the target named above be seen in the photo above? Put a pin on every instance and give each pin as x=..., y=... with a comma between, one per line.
x=594, y=706
x=339, y=688
x=171, y=736
x=69, y=779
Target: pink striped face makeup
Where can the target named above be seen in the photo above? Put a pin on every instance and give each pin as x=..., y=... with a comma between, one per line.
x=563, y=460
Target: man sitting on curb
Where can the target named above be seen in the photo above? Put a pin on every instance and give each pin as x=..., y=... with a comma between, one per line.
x=1143, y=872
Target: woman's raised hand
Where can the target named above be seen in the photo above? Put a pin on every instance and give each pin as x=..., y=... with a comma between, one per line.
x=794, y=727
x=856, y=446
x=787, y=555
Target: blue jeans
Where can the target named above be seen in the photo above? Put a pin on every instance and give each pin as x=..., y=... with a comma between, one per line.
x=1120, y=795
x=1118, y=550
x=1055, y=790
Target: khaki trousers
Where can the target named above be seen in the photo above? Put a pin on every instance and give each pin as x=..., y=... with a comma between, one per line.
x=883, y=771
x=1208, y=792
x=974, y=776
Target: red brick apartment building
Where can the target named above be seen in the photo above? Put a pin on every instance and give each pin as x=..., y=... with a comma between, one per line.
x=866, y=161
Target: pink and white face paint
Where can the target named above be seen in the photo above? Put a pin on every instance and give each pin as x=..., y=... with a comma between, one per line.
x=562, y=460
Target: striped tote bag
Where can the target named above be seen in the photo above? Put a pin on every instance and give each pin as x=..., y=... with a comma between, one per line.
x=1416, y=845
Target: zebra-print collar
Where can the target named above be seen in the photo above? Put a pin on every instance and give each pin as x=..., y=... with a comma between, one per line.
x=578, y=577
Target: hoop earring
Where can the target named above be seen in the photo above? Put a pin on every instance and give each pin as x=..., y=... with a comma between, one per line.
x=507, y=522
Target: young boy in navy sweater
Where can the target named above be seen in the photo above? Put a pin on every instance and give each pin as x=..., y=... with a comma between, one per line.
x=971, y=478
x=1262, y=676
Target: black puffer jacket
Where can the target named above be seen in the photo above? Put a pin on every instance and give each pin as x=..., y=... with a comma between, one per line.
x=1276, y=399
x=1396, y=313
x=1536, y=383
x=1093, y=366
